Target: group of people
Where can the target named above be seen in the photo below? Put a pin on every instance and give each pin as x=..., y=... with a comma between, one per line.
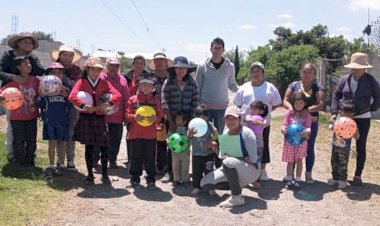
x=178, y=92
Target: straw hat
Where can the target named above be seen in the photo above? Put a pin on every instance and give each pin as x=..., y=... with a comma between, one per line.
x=159, y=55
x=358, y=61
x=65, y=48
x=93, y=62
x=12, y=42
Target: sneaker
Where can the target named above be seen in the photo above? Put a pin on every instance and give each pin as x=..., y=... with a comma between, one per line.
x=89, y=180
x=256, y=185
x=308, y=178
x=332, y=182
x=196, y=191
x=233, y=201
x=71, y=166
x=211, y=192
x=105, y=179
x=50, y=170
x=342, y=184
x=151, y=186
x=264, y=175
x=59, y=169
x=289, y=184
x=357, y=181
x=297, y=184
x=166, y=178
x=132, y=184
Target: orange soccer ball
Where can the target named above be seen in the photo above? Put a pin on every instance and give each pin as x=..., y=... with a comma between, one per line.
x=13, y=98
x=345, y=128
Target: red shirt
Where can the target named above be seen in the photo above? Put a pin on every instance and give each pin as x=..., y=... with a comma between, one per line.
x=140, y=132
x=29, y=109
x=102, y=87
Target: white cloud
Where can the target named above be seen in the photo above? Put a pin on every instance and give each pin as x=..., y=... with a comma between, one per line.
x=248, y=27
x=285, y=16
x=196, y=47
x=287, y=24
x=349, y=37
x=356, y=5
x=343, y=29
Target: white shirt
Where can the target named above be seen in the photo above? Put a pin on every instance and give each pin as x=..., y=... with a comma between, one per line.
x=248, y=93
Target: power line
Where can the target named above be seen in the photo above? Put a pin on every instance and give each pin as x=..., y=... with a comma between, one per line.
x=119, y=19
x=141, y=16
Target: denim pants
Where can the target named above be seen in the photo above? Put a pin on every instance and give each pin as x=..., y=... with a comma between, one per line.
x=310, y=147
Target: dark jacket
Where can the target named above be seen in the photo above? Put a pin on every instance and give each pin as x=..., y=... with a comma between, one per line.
x=176, y=100
x=368, y=88
x=8, y=66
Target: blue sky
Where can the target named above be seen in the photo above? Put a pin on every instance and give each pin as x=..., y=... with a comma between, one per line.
x=181, y=27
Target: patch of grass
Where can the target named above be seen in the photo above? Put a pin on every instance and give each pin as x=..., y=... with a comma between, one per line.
x=24, y=196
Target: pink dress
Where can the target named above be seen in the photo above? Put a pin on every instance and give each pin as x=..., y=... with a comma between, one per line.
x=291, y=153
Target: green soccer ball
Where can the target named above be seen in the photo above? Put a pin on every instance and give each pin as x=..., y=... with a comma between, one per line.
x=178, y=143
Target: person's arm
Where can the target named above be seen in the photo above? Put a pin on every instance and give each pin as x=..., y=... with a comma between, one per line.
x=195, y=96
x=165, y=102
x=232, y=85
x=375, y=95
x=337, y=96
x=238, y=100
x=287, y=96
x=276, y=98
x=37, y=68
x=5, y=64
x=250, y=144
x=321, y=98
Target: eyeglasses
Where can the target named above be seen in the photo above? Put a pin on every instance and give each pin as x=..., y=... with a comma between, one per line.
x=216, y=48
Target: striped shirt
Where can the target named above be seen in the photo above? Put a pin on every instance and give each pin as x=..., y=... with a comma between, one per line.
x=175, y=99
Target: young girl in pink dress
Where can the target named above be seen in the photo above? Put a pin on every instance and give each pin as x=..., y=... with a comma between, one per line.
x=294, y=154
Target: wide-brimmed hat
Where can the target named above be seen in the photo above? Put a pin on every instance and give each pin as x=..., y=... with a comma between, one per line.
x=182, y=62
x=358, y=61
x=233, y=111
x=159, y=55
x=12, y=42
x=93, y=62
x=65, y=48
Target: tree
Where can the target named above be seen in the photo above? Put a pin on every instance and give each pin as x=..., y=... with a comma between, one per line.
x=262, y=54
x=40, y=35
x=237, y=61
x=283, y=66
x=231, y=55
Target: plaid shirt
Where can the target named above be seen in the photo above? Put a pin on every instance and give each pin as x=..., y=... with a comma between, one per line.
x=175, y=100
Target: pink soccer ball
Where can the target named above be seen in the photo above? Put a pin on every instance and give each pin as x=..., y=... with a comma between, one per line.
x=50, y=85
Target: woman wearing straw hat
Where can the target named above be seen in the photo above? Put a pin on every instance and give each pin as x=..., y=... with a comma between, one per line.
x=67, y=56
x=22, y=45
x=360, y=87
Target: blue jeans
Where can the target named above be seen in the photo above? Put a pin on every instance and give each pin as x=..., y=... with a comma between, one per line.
x=310, y=147
x=217, y=117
